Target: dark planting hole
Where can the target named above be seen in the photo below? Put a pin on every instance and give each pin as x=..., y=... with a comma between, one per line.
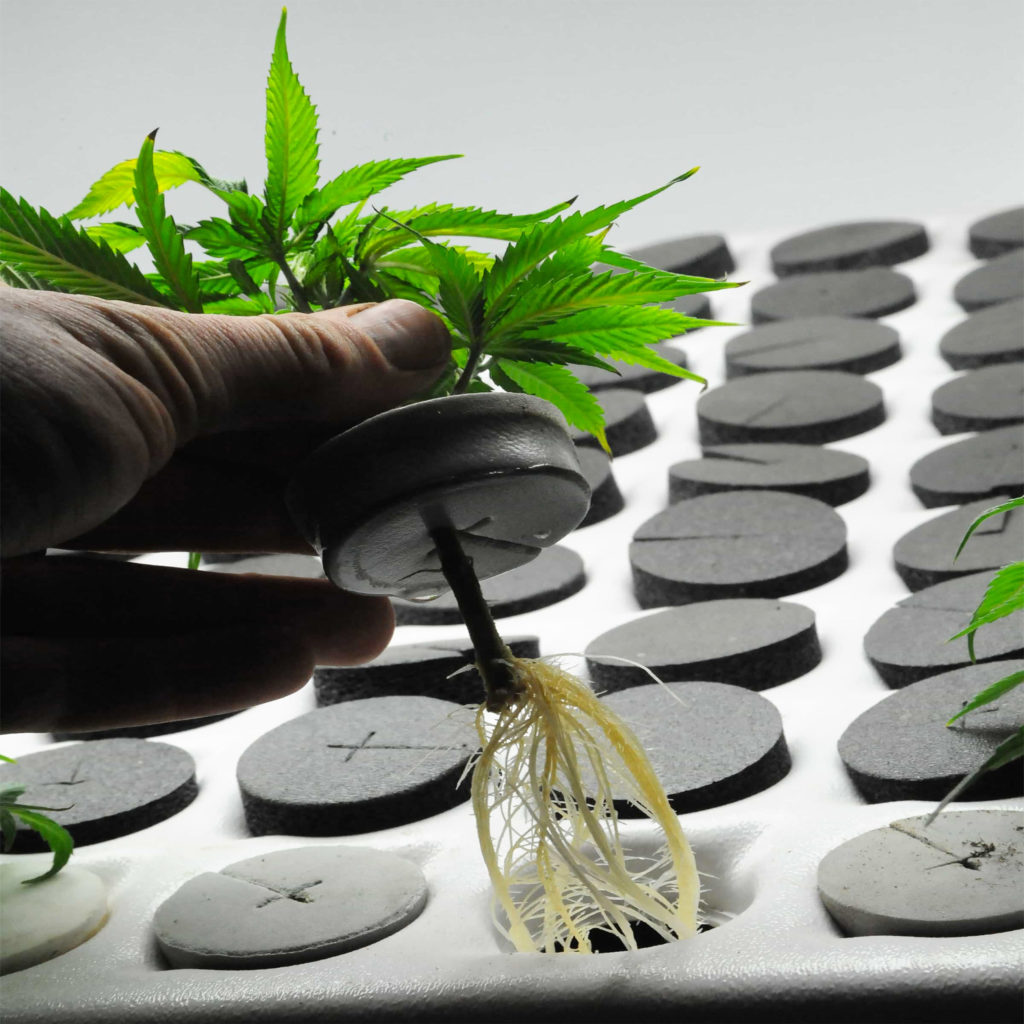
x=602, y=941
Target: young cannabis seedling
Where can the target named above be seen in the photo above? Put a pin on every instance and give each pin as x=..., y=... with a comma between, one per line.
x=1005, y=595
x=56, y=836
x=518, y=322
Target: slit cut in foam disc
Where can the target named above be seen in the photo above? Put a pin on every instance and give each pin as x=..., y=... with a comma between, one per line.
x=750, y=642
x=736, y=544
x=978, y=467
x=358, y=766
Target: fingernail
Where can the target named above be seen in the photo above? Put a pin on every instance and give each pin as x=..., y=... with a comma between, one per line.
x=409, y=336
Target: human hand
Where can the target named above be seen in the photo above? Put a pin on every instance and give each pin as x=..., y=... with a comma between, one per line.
x=138, y=429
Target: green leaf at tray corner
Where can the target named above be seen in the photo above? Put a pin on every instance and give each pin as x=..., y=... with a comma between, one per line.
x=55, y=836
x=1009, y=750
x=1006, y=506
x=559, y=386
x=165, y=242
x=989, y=694
x=117, y=186
x=39, y=250
x=290, y=140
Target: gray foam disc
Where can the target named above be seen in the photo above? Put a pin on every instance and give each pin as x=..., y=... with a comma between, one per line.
x=849, y=246
x=358, y=766
x=751, y=642
x=828, y=475
x=605, y=497
x=804, y=407
x=628, y=423
x=911, y=640
x=992, y=396
x=289, y=907
x=114, y=787
x=736, y=544
x=924, y=555
x=997, y=233
x=901, y=748
x=999, y=280
x=961, y=875
x=629, y=375
x=982, y=466
x=994, y=334
x=709, y=743
x=443, y=669
x=874, y=292
x=698, y=255
x=813, y=343
x=555, y=574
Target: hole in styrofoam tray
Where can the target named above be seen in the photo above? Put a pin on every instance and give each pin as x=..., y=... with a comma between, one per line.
x=727, y=886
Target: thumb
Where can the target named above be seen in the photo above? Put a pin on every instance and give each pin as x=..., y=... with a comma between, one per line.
x=336, y=365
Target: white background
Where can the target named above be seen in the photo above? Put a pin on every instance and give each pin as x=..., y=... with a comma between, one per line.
x=800, y=112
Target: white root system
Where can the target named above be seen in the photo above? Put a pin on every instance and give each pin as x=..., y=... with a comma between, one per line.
x=542, y=794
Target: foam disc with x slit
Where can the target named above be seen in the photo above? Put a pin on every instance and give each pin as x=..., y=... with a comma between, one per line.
x=709, y=743
x=736, y=544
x=442, y=669
x=750, y=642
x=849, y=247
x=961, y=875
x=828, y=475
x=874, y=292
x=924, y=555
x=813, y=343
x=997, y=233
x=106, y=788
x=992, y=396
x=901, y=748
x=628, y=425
x=698, y=255
x=911, y=640
x=804, y=407
x=556, y=573
x=358, y=766
x=630, y=375
x=982, y=466
x=605, y=497
x=994, y=334
x=289, y=907
x=999, y=280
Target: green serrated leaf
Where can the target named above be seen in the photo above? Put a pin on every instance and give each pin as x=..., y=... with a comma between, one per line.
x=117, y=187
x=534, y=307
x=120, y=237
x=222, y=239
x=537, y=350
x=541, y=240
x=357, y=184
x=56, y=837
x=445, y=220
x=239, y=305
x=557, y=385
x=290, y=140
x=165, y=243
x=8, y=828
x=1006, y=506
x=44, y=251
x=1004, y=595
x=989, y=694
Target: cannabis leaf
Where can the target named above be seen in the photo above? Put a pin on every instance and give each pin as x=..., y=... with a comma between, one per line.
x=39, y=250
x=164, y=240
x=56, y=836
x=290, y=140
x=1005, y=595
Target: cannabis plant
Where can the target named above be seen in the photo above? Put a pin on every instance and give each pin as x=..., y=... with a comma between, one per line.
x=518, y=321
